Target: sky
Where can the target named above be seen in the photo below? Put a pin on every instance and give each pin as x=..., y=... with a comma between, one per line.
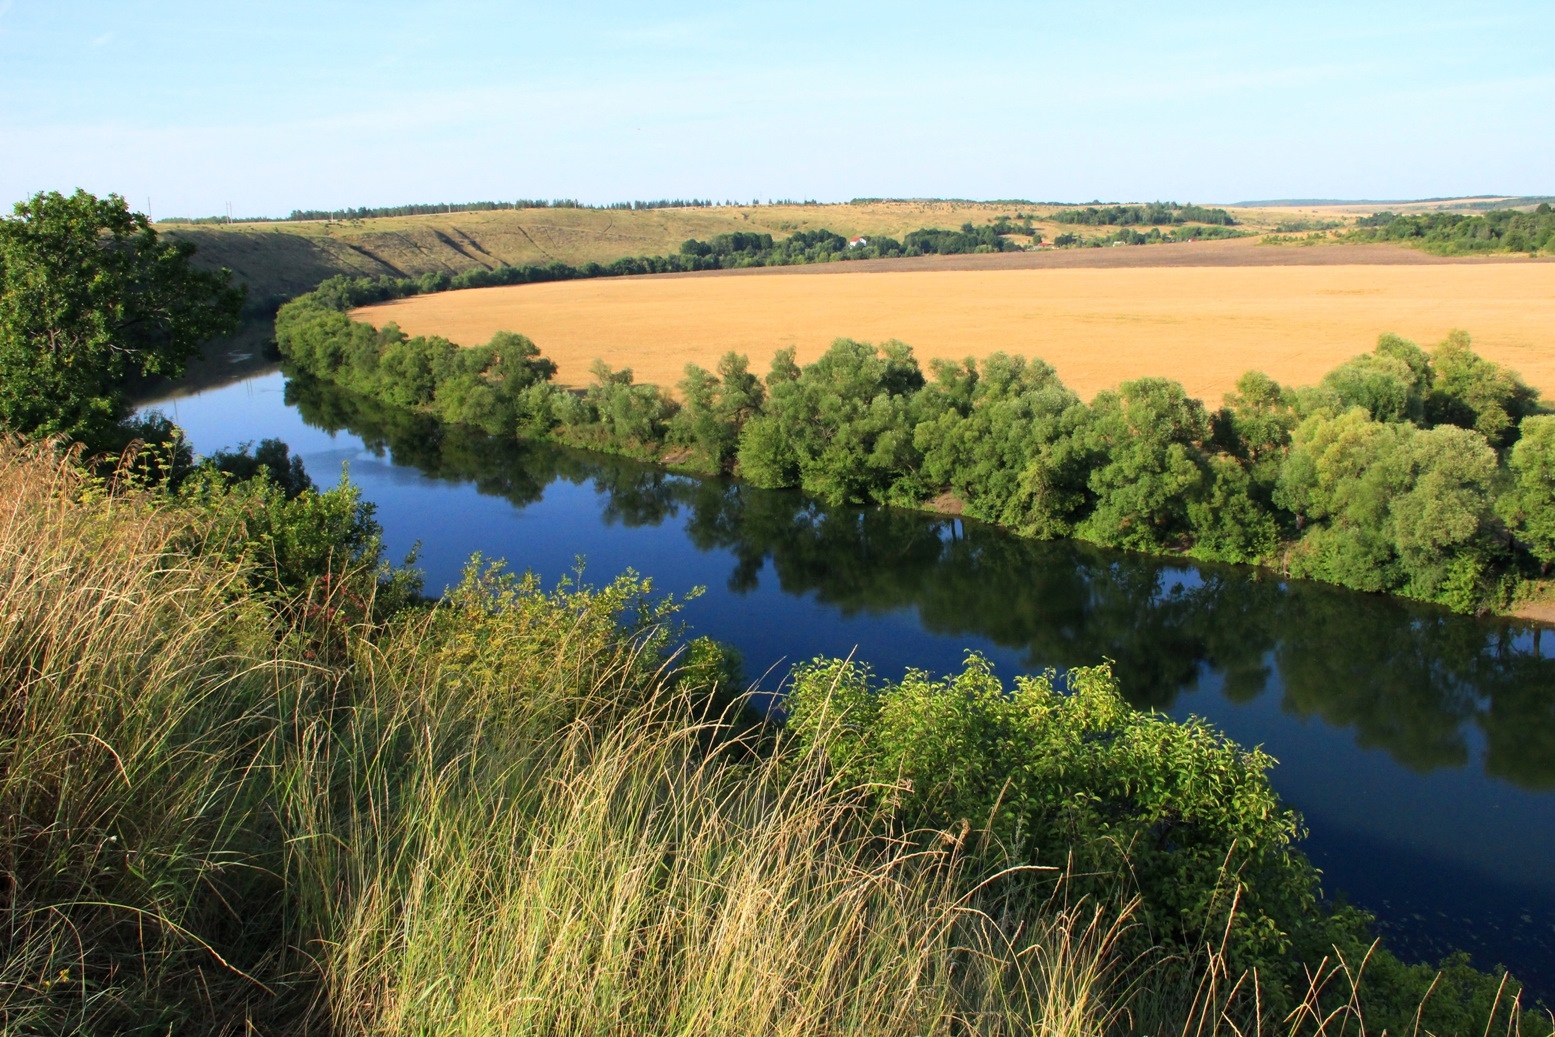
x=187, y=107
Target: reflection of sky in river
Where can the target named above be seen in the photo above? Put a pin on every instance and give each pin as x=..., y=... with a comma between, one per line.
x=1444, y=855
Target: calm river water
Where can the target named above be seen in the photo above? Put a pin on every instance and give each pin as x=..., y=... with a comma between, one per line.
x=1419, y=745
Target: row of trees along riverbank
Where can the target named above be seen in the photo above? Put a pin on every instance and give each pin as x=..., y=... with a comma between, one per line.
x=1425, y=474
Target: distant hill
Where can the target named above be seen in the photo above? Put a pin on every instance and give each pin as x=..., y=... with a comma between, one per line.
x=281, y=258
x=1479, y=202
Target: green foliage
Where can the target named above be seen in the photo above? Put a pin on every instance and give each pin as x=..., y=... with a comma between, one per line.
x=501, y=386
x=1155, y=214
x=1145, y=437
x=1153, y=236
x=1472, y=392
x=1232, y=521
x=1072, y=788
x=303, y=544
x=89, y=296
x=968, y=239
x=1079, y=786
x=981, y=431
x=1529, y=503
x=713, y=412
x=615, y=415
x=1254, y=426
x=1390, y=383
x=1450, y=233
x=841, y=429
x=1362, y=480
x=1394, y=508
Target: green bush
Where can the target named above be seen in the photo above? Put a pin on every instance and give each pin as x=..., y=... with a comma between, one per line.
x=1071, y=792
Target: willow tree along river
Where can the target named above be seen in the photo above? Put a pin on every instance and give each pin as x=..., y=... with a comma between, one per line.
x=1420, y=745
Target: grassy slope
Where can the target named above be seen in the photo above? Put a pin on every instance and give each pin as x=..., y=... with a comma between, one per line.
x=490, y=818
x=289, y=258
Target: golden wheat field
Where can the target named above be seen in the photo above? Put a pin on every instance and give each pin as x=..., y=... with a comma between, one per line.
x=1203, y=326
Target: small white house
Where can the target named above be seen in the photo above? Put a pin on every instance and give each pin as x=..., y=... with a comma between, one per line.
x=857, y=242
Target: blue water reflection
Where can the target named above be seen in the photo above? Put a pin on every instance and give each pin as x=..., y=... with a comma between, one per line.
x=1420, y=746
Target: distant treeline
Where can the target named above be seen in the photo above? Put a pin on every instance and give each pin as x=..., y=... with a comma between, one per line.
x=1303, y=226
x=1156, y=214
x=1153, y=236
x=666, y=203
x=376, y=212
x=428, y=209
x=1510, y=203
x=1407, y=472
x=955, y=201
x=1450, y=233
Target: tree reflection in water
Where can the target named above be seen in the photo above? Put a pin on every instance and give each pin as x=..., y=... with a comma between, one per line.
x=1406, y=678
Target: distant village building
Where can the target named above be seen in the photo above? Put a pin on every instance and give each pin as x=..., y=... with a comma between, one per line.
x=857, y=242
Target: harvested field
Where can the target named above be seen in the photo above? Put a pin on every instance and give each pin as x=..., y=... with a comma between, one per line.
x=1098, y=325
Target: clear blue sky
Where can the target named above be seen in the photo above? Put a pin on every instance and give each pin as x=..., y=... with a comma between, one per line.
x=281, y=105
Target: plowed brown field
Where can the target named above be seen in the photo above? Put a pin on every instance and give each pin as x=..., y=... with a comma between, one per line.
x=1203, y=325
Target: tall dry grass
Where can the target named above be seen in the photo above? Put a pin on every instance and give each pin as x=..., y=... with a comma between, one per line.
x=135, y=730
x=504, y=815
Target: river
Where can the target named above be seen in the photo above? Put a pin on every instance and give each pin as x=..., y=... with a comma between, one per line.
x=1418, y=745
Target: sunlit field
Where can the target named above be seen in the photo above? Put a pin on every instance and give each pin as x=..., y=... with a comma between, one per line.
x=1203, y=326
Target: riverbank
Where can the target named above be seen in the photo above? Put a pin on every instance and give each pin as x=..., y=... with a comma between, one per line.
x=1537, y=603
x=1384, y=476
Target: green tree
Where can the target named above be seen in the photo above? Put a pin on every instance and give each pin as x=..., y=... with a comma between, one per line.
x=1391, y=382
x=615, y=414
x=841, y=428
x=714, y=410
x=1255, y=423
x=1388, y=507
x=1472, y=392
x=1341, y=475
x=980, y=430
x=1442, y=523
x=1146, y=437
x=1529, y=503
x=90, y=296
x=1077, y=783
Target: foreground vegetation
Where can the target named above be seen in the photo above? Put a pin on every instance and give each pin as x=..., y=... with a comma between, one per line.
x=251, y=784
x=1422, y=474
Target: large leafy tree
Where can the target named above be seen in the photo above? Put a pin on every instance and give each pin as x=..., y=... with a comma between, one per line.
x=841, y=428
x=90, y=296
x=1529, y=502
x=1146, y=437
